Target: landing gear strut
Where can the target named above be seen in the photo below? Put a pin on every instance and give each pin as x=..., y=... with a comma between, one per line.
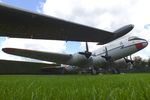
x=115, y=71
x=94, y=70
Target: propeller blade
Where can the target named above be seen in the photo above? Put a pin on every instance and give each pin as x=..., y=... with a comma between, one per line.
x=87, y=48
x=130, y=57
x=107, y=57
x=128, y=60
x=131, y=60
x=87, y=54
x=106, y=51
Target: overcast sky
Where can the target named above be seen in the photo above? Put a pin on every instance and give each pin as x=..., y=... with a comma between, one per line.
x=104, y=14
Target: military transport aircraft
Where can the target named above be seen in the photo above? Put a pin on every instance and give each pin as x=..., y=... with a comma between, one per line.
x=20, y=23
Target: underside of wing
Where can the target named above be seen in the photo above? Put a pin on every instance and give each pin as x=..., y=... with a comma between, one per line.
x=45, y=56
x=9, y=63
x=20, y=23
x=23, y=67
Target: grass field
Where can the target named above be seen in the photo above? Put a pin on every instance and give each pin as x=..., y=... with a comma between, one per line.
x=75, y=87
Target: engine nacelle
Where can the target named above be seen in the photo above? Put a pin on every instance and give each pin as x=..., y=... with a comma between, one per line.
x=120, y=61
x=122, y=31
x=77, y=60
x=69, y=68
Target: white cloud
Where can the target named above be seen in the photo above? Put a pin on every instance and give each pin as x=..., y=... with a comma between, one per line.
x=40, y=6
x=32, y=44
x=100, y=13
x=104, y=14
x=41, y=45
x=92, y=46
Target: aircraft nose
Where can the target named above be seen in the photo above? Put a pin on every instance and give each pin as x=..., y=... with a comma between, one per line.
x=141, y=45
x=145, y=43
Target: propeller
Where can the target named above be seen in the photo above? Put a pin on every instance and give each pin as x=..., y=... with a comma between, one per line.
x=86, y=53
x=107, y=57
x=129, y=60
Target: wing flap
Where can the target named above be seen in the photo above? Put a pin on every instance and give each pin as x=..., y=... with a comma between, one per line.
x=21, y=23
x=40, y=55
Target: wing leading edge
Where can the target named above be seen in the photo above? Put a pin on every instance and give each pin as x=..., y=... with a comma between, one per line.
x=21, y=23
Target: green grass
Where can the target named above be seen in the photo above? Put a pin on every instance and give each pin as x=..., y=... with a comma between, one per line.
x=75, y=87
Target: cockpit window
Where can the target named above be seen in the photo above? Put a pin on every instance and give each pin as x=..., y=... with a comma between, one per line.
x=134, y=38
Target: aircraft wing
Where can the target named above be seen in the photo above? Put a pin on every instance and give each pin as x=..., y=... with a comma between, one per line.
x=21, y=23
x=45, y=56
x=9, y=63
x=23, y=67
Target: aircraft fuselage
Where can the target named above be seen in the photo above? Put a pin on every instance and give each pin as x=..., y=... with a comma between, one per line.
x=116, y=50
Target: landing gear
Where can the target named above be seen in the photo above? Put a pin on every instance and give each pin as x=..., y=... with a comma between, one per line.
x=89, y=70
x=115, y=71
x=111, y=68
x=94, y=70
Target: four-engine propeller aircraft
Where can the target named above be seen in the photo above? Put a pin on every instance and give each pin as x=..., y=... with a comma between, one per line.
x=21, y=23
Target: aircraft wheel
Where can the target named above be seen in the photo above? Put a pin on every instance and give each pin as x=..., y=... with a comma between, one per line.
x=115, y=71
x=79, y=72
x=94, y=71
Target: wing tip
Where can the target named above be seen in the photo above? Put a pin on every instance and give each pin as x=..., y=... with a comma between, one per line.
x=8, y=50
